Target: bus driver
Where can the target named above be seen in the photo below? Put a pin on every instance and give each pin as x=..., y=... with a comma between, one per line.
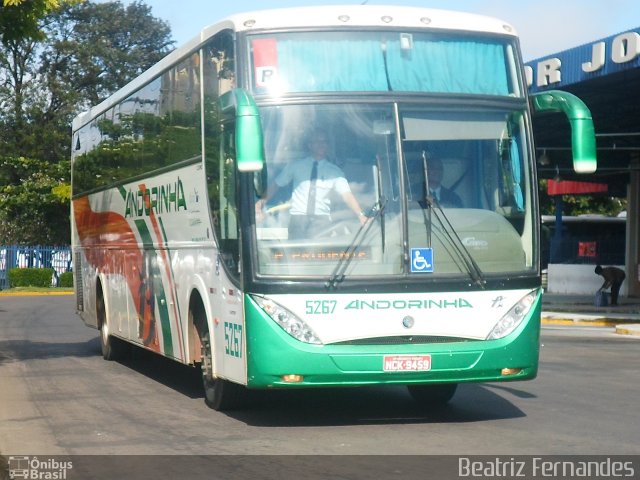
x=313, y=179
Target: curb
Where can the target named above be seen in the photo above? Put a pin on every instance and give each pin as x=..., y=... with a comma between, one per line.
x=632, y=330
x=622, y=325
x=33, y=294
x=598, y=322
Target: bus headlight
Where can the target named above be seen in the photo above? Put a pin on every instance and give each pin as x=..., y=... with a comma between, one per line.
x=510, y=321
x=290, y=323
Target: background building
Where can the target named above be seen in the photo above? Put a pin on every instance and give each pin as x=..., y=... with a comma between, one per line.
x=605, y=74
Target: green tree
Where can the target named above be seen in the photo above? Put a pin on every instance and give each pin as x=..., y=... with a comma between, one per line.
x=35, y=210
x=90, y=51
x=69, y=59
x=581, y=204
x=99, y=47
x=20, y=19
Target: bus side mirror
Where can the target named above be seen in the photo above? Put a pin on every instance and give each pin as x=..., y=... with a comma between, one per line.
x=583, y=138
x=249, y=140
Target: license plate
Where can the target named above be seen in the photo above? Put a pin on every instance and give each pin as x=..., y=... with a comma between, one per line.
x=407, y=363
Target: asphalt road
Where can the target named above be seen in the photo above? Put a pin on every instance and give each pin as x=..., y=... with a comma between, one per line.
x=58, y=396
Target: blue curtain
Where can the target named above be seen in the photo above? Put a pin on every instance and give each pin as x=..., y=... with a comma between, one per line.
x=443, y=66
x=332, y=66
x=517, y=174
x=447, y=66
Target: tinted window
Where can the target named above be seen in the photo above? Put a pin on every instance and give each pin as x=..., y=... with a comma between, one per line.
x=156, y=127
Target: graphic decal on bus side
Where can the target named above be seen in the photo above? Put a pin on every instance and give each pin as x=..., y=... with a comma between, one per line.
x=160, y=233
x=152, y=295
x=141, y=269
x=157, y=199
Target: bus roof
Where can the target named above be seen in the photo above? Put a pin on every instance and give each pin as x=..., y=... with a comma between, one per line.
x=367, y=15
x=339, y=16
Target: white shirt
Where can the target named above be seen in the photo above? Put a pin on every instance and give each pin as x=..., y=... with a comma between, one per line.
x=298, y=173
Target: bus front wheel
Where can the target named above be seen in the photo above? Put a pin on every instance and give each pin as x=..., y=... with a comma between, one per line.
x=433, y=395
x=219, y=394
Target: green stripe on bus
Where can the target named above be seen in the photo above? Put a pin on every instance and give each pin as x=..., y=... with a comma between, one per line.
x=166, y=242
x=158, y=290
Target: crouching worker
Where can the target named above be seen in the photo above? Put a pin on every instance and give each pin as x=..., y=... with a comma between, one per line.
x=613, y=277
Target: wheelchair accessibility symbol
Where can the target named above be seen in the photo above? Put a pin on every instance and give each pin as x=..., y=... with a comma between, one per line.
x=422, y=260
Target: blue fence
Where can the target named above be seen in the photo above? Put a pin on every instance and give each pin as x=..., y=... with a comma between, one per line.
x=15, y=256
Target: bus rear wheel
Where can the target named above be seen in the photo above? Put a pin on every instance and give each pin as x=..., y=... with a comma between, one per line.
x=219, y=394
x=112, y=348
x=433, y=395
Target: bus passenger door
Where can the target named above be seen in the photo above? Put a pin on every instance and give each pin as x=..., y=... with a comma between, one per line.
x=227, y=306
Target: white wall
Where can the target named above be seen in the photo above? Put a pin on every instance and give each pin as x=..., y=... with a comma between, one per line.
x=577, y=279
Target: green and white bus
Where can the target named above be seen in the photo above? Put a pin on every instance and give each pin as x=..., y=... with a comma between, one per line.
x=172, y=254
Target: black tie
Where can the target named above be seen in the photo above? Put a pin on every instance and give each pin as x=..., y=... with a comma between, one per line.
x=311, y=201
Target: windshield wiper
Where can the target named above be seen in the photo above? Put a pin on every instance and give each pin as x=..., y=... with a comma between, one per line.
x=450, y=235
x=379, y=196
x=348, y=253
x=456, y=244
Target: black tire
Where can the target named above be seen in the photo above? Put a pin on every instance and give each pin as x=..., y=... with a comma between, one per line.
x=219, y=394
x=433, y=396
x=112, y=348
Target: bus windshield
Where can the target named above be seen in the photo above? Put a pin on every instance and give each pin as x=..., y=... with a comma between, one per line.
x=399, y=189
x=382, y=61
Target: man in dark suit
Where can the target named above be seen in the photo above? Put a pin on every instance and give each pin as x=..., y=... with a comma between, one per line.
x=613, y=277
x=440, y=194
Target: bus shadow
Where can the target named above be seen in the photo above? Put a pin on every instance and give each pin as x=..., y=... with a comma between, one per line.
x=177, y=376
x=336, y=406
x=371, y=405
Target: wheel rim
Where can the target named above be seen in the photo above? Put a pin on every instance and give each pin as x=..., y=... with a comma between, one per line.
x=207, y=367
x=102, y=319
x=104, y=331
